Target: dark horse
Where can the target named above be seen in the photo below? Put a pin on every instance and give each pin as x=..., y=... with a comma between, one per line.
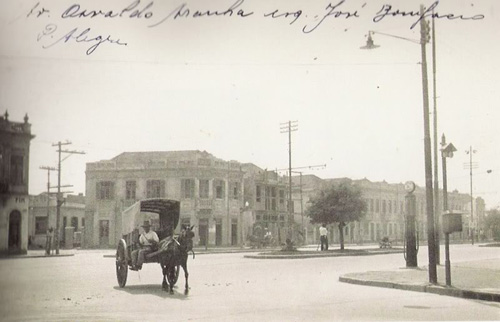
x=176, y=255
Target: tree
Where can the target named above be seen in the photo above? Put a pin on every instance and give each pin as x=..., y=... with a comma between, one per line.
x=493, y=223
x=337, y=204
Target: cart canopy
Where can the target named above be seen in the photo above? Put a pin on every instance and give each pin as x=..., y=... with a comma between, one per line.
x=167, y=209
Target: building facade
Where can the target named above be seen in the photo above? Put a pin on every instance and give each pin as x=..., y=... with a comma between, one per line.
x=210, y=191
x=42, y=216
x=15, y=138
x=266, y=199
x=385, y=216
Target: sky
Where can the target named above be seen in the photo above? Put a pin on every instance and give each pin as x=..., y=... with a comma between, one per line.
x=164, y=78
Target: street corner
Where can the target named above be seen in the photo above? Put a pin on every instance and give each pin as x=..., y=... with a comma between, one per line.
x=304, y=254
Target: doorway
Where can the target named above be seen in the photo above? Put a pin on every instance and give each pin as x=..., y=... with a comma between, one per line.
x=203, y=232
x=14, y=232
x=218, y=232
x=103, y=232
x=234, y=232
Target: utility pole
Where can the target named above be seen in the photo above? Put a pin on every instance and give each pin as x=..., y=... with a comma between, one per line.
x=436, y=173
x=310, y=167
x=289, y=127
x=48, y=189
x=59, y=196
x=429, y=195
x=471, y=166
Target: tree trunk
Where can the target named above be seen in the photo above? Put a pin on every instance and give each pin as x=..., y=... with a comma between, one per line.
x=341, y=235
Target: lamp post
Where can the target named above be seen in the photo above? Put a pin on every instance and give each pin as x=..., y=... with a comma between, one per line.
x=446, y=152
x=429, y=198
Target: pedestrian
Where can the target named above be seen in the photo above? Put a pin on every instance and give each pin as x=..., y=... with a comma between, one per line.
x=323, y=237
x=48, y=242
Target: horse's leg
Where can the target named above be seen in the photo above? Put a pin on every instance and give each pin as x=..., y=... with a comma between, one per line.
x=164, y=285
x=186, y=275
x=171, y=272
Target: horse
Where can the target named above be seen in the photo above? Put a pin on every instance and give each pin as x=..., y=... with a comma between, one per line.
x=176, y=255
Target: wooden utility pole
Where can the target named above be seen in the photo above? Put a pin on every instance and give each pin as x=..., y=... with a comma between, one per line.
x=48, y=188
x=471, y=166
x=429, y=195
x=290, y=127
x=59, y=195
x=437, y=209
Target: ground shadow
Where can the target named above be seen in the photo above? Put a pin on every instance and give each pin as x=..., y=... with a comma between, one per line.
x=152, y=289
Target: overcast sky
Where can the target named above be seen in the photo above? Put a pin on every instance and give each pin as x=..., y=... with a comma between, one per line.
x=225, y=83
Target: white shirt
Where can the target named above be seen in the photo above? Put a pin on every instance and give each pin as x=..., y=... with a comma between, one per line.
x=323, y=231
x=143, y=240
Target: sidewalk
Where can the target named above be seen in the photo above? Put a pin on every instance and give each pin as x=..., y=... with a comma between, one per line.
x=41, y=254
x=473, y=280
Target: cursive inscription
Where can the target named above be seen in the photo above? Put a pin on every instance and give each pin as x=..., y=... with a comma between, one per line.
x=277, y=14
x=75, y=35
x=131, y=11
x=151, y=14
x=184, y=11
x=388, y=11
x=331, y=11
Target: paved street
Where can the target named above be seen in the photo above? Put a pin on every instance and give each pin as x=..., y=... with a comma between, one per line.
x=225, y=287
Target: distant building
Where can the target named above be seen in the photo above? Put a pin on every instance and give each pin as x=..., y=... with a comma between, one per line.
x=42, y=216
x=385, y=210
x=267, y=196
x=15, y=140
x=210, y=191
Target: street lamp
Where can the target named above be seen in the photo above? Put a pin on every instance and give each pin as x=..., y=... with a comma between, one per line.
x=446, y=152
x=429, y=198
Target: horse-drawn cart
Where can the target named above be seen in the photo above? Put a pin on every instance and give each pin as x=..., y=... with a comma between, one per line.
x=172, y=250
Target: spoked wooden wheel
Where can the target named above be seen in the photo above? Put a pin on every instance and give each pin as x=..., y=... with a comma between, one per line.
x=121, y=263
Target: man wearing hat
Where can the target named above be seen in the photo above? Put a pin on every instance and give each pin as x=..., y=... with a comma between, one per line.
x=147, y=240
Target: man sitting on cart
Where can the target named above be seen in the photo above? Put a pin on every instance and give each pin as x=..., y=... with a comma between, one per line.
x=147, y=241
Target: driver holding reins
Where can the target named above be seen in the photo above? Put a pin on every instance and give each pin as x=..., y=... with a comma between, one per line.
x=147, y=241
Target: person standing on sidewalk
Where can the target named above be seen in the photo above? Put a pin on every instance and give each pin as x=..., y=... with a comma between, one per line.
x=323, y=237
x=48, y=242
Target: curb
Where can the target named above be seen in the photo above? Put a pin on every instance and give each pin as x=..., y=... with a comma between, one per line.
x=434, y=289
x=305, y=256
x=203, y=252
x=35, y=256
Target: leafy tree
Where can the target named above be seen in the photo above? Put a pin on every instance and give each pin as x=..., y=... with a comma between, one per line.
x=337, y=204
x=493, y=223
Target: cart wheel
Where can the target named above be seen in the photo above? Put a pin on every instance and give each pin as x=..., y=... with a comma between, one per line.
x=121, y=263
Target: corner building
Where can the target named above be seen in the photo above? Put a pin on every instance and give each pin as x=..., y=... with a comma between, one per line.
x=210, y=191
x=15, y=138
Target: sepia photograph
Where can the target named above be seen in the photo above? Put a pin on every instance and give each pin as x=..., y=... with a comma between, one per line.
x=249, y=160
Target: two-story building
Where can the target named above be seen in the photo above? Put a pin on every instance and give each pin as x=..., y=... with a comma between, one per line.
x=15, y=138
x=210, y=191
